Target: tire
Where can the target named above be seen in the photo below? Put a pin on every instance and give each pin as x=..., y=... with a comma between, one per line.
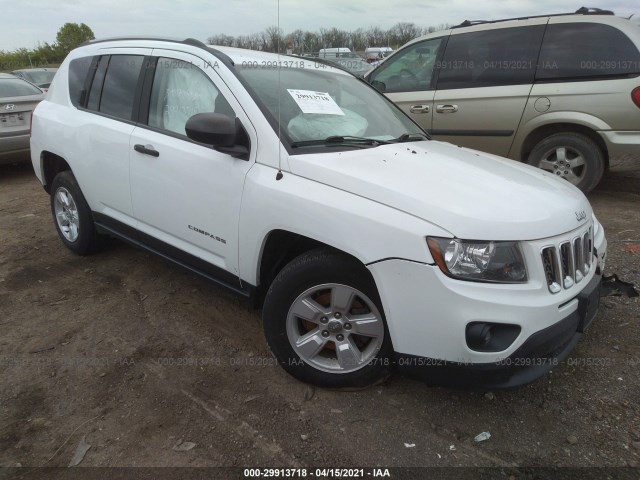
x=341, y=345
x=72, y=216
x=571, y=156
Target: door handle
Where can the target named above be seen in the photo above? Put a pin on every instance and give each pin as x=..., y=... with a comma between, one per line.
x=146, y=149
x=419, y=108
x=447, y=108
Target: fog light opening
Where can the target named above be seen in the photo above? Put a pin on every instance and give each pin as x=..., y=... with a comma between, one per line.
x=479, y=336
x=490, y=337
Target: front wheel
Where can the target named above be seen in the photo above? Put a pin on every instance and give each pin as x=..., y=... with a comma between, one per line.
x=324, y=322
x=571, y=156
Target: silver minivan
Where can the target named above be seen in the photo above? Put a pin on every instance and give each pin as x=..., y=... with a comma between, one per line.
x=561, y=92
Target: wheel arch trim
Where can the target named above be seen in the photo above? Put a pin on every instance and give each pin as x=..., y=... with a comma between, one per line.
x=534, y=133
x=50, y=165
x=272, y=257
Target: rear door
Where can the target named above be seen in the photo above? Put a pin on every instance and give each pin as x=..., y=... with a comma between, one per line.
x=407, y=79
x=102, y=128
x=484, y=81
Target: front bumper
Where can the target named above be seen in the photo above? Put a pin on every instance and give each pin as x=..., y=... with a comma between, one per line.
x=600, y=246
x=536, y=357
x=432, y=318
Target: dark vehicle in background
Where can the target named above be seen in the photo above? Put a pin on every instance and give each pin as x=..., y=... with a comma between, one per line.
x=18, y=98
x=41, y=77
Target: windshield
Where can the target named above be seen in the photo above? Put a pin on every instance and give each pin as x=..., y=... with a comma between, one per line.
x=14, y=87
x=318, y=103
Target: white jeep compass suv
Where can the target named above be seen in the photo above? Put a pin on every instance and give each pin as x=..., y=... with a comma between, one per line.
x=368, y=246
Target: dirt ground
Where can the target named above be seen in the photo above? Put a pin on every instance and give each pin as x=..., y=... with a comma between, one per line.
x=139, y=358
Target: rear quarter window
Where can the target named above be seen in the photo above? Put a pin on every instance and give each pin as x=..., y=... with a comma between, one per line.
x=78, y=71
x=585, y=50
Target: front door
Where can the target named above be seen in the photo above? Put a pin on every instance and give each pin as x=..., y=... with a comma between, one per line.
x=407, y=79
x=187, y=195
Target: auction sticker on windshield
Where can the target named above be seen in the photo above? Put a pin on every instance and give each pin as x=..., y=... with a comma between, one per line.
x=315, y=102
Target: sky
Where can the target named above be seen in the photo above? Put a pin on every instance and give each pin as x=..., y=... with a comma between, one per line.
x=27, y=22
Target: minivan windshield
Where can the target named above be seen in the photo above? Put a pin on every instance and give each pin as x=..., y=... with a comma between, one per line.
x=321, y=107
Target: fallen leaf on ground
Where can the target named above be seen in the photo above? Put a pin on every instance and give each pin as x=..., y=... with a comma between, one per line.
x=183, y=446
x=81, y=450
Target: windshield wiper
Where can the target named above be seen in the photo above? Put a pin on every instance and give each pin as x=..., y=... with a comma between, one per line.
x=410, y=137
x=341, y=140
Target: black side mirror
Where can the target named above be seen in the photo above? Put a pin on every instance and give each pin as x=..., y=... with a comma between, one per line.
x=223, y=133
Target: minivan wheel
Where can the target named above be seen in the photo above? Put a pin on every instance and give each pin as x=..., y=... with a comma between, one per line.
x=324, y=323
x=72, y=215
x=571, y=156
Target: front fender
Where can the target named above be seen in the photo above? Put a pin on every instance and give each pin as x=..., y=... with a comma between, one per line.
x=367, y=230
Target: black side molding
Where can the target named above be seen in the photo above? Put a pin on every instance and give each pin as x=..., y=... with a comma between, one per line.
x=473, y=133
x=107, y=225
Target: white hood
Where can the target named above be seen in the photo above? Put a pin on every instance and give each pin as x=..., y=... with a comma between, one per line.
x=471, y=194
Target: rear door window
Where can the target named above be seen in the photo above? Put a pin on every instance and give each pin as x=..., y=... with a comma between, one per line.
x=96, y=84
x=585, y=50
x=120, y=84
x=488, y=58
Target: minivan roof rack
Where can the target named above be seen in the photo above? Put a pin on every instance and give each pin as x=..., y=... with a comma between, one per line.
x=580, y=11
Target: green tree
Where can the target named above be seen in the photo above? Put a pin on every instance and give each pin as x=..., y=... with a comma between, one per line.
x=71, y=35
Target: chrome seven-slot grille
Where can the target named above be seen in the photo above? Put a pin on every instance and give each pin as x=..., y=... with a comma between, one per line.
x=569, y=261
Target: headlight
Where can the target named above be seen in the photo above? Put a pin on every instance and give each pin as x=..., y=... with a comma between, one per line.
x=480, y=261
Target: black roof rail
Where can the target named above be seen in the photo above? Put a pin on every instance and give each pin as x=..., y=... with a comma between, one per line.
x=580, y=11
x=137, y=37
x=187, y=41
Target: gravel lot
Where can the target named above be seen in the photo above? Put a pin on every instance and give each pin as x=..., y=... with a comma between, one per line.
x=140, y=358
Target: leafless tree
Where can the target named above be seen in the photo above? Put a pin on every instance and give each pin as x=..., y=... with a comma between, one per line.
x=273, y=39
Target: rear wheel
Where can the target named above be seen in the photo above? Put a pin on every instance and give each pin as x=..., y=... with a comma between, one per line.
x=324, y=323
x=72, y=215
x=572, y=156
